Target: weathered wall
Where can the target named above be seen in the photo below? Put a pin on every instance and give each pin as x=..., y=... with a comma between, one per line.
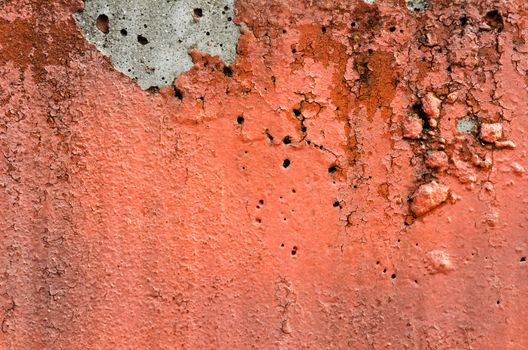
x=354, y=180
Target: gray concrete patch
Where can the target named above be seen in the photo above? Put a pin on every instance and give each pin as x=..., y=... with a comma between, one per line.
x=466, y=124
x=149, y=40
x=417, y=5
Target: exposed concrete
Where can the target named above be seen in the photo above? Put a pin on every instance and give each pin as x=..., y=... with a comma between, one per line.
x=417, y=5
x=149, y=40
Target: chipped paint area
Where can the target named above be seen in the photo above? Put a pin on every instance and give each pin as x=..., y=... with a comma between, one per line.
x=150, y=40
x=356, y=178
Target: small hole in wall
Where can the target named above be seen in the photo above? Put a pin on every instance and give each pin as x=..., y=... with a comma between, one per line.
x=142, y=40
x=384, y=270
x=392, y=29
x=293, y=190
x=296, y=112
x=463, y=21
x=393, y=276
x=336, y=204
x=498, y=302
x=323, y=29
x=286, y=140
x=123, y=32
x=228, y=72
x=294, y=251
x=240, y=119
x=377, y=262
x=286, y=163
x=332, y=169
x=178, y=93
x=198, y=12
x=258, y=220
x=282, y=245
x=103, y=23
x=523, y=259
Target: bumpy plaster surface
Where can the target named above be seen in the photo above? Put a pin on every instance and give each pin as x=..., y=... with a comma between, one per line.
x=149, y=40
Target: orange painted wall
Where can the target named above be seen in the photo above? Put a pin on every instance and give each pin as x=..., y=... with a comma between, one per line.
x=133, y=219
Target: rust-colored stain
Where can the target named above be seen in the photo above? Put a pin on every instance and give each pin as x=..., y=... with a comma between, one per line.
x=356, y=180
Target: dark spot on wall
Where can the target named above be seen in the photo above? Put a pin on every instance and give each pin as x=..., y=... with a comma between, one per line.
x=286, y=163
x=103, y=23
x=240, y=119
x=228, y=72
x=142, y=40
x=198, y=12
x=494, y=19
x=286, y=140
x=123, y=32
x=178, y=93
x=332, y=169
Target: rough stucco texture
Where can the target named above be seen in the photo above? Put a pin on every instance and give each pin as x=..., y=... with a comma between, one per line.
x=356, y=179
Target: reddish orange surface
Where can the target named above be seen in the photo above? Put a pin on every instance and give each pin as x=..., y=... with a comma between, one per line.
x=137, y=220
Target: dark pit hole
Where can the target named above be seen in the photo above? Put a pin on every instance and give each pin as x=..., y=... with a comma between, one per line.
x=207, y=33
x=498, y=302
x=178, y=93
x=293, y=190
x=494, y=20
x=323, y=29
x=226, y=8
x=370, y=51
x=142, y=40
x=416, y=281
x=286, y=140
x=294, y=50
x=258, y=207
x=393, y=276
x=228, y=72
x=269, y=136
x=229, y=19
x=384, y=270
x=282, y=245
x=294, y=251
x=336, y=204
x=377, y=262
x=240, y=120
x=258, y=220
x=523, y=259
x=123, y=32
x=284, y=31
x=198, y=12
x=296, y=112
x=392, y=29
x=286, y=163
x=332, y=169
x=103, y=23
x=303, y=128
x=353, y=24
x=153, y=89
x=417, y=108
x=261, y=202
x=463, y=21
